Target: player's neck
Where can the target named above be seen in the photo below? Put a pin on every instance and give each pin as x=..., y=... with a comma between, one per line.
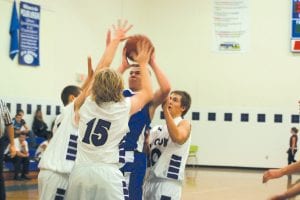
x=175, y=115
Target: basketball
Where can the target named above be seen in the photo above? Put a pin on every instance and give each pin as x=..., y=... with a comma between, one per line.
x=131, y=45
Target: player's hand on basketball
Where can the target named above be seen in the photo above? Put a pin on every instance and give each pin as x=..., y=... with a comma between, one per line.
x=152, y=61
x=125, y=65
x=271, y=174
x=120, y=30
x=144, y=50
x=12, y=151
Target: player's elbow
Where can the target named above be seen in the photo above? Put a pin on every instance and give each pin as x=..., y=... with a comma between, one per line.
x=166, y=90
x=149, y=94
x=179, y=139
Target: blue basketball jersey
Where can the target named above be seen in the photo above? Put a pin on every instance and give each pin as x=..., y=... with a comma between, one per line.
x=137, y=124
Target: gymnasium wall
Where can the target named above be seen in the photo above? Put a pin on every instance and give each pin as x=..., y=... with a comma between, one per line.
x=263, y=80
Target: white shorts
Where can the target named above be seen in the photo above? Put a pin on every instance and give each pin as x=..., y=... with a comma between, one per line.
x=96, y=181
x=52, y=185
x=162, y=189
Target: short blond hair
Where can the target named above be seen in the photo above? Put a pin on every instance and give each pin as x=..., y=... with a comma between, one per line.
x=108, y=86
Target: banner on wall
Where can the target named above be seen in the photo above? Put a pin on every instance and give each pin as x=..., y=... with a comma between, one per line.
x=29, y=34
x=231, y=26
x=13, y=31
x=295, y=32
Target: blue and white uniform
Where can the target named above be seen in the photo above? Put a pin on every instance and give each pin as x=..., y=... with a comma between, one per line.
x=59, y=158
x=96, y=173
x=131, y=147
x=168, y=161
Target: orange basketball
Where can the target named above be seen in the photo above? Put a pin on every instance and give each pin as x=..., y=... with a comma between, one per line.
x=131, y=43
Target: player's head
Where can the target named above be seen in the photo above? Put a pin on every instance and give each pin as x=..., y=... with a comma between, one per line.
x=294, y=130
x=180, y=102
x=134, y=79
x=69, y=93
x=107, y=87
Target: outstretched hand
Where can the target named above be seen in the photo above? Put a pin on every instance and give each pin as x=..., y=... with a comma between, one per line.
x=271, y=174
x=120, y=30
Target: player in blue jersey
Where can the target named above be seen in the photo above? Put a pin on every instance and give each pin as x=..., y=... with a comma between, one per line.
x=131, y=147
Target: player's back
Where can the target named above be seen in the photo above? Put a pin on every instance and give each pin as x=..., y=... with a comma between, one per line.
x=101, y=129
x=60, y=154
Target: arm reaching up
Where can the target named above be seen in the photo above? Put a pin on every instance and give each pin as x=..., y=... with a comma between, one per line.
x=85, y=88
x=119, y=35
x=164, y=86
x=145, y=95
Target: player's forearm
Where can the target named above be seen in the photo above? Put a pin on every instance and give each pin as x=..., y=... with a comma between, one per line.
x=163, y=82
x=108, y=55
x=10, y=131
x=290, y=169
x=86, y=83
x=145, y=82
x=172, y=127
x=121, y=69
x=293, y=191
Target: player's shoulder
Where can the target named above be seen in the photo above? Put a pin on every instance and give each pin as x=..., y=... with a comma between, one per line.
x=184, y=121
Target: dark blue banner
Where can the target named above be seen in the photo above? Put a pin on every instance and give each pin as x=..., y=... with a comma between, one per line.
x=29, y=34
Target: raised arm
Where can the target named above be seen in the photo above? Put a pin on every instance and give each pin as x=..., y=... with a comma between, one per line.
x=90, y=76
x=124, y=64
x=85, y=90
x=164, y=86
x=277, y=173
x=145, y=95
x=180, y=133
x=119, y=35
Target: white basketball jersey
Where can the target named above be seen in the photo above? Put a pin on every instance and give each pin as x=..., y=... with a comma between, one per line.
x=167, y=158
x=101, y=128
x=57, y=122
x=60, y=154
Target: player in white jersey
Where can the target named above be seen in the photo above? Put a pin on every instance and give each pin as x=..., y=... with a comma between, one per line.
x=169, y=147
x=59, y=157
x=103, y=123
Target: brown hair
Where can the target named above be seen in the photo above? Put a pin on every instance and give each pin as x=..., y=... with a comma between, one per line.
x=108, y=86
x=294, y=130
x=185, y=100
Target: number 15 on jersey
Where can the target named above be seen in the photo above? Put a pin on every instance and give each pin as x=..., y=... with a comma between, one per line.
x=99, y=135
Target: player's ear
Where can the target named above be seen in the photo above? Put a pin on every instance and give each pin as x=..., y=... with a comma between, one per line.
x=71, y=98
